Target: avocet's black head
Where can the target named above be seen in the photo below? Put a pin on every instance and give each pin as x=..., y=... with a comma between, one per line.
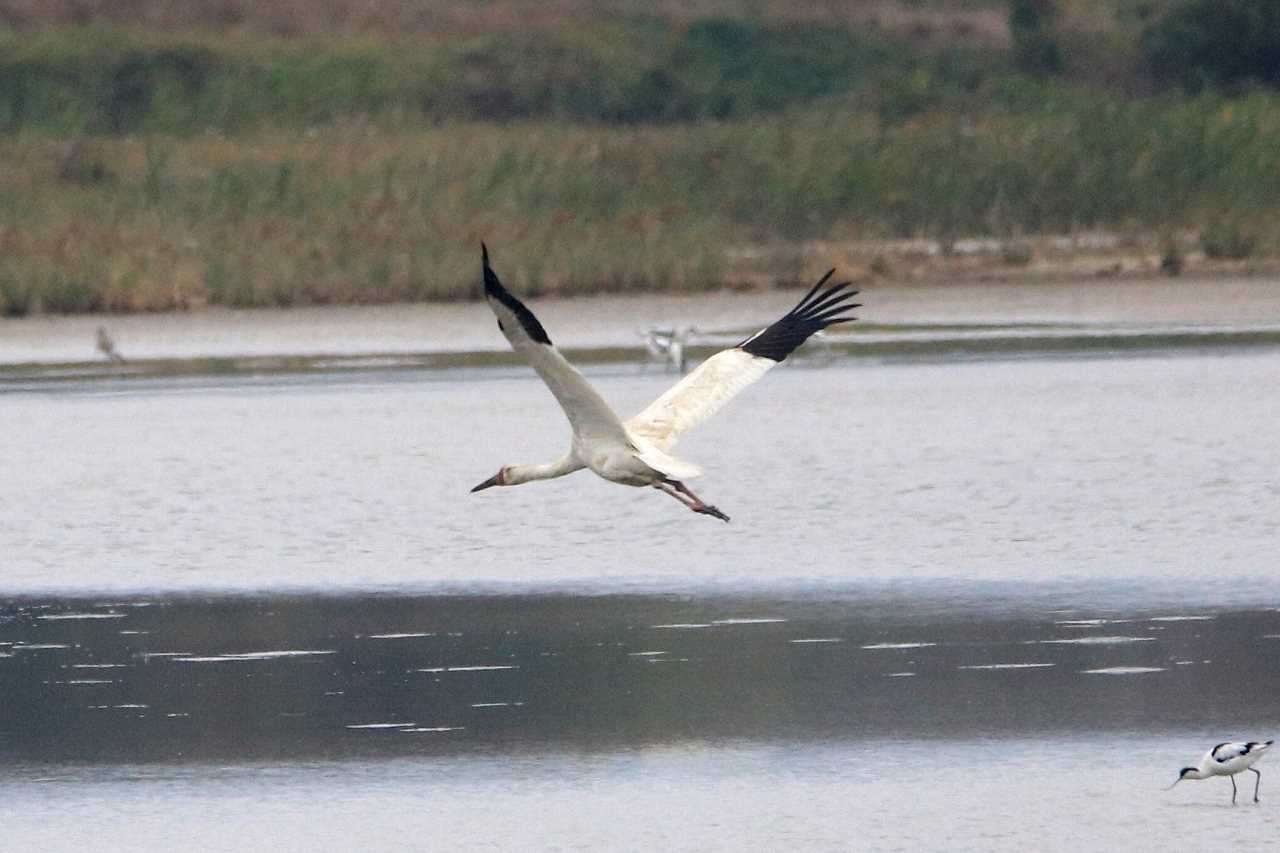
x=1187, y=773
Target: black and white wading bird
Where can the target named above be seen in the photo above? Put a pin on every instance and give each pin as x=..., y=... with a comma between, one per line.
x=1228, y=759
x=637, y=452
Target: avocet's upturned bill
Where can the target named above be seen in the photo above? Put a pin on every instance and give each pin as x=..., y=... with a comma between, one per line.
x=637, y=452
x=1228, y=759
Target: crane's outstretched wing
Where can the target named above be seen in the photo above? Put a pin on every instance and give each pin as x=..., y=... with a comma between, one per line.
x=587, y=411
x=718, y=379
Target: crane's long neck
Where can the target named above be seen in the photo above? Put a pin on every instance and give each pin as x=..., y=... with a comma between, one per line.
x=514, y=475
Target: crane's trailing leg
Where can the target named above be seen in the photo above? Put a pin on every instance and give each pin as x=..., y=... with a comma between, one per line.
x=680, y=492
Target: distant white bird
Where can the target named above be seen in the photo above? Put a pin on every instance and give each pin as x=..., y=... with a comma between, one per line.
x=1228, y=759
x=636, y=453
x=667, y=345
x=107, y=347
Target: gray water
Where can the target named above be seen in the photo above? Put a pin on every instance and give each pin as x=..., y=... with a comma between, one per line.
x=864, y=721
x=1158, y=470
x=811, y=796
x=963, y=604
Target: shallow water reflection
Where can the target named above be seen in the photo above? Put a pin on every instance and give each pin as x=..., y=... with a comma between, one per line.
x=1048, y=794
x=247, y=679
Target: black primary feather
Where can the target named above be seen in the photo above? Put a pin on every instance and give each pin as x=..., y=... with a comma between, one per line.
x=494, y=289
x=819, y=309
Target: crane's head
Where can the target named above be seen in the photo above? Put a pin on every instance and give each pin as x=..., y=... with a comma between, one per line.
x=499, y=479
x=1186, y=773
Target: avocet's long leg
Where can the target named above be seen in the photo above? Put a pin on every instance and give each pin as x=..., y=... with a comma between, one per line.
x=1257, y=784
x=1233, y=788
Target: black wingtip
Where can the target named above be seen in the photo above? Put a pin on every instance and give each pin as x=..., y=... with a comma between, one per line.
x=491, y=283
x=818, y=309
x=493, y=289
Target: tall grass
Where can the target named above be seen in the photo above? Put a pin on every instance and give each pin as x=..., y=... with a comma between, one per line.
x=100, y=80
x=351, y=213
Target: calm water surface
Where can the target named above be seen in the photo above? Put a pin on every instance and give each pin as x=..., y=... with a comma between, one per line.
x=976, y=605
x=1158, y=469
x=813, y=796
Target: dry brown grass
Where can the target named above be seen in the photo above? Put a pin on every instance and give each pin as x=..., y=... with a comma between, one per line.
x=978, y=23
x=975, y=22
x=332, y=218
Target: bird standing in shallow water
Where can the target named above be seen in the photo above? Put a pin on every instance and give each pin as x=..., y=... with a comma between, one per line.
x=636, y=453
x=1228, y=759
x=107, y=347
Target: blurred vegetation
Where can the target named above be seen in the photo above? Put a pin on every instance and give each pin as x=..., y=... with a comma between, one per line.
x=238, y=162
x=111, y=81
x=1217, y=42
x=1032, y=25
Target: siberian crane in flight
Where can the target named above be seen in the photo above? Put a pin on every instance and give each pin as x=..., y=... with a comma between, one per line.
x=637, y=452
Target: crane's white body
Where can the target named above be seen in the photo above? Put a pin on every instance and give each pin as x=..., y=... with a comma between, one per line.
x=631, y=453
x=637, y=452
x=1228, y=759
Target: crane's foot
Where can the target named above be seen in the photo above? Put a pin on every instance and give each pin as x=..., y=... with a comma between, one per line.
x=703, y=509
x=681, y=492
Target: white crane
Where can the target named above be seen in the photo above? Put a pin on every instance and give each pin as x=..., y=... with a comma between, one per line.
x=1228, y=759
x=637, y=452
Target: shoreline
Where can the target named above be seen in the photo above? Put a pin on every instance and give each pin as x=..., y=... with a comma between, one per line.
x=898, y=319
x=978, y=343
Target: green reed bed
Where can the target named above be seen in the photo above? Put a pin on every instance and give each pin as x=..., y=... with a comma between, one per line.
x=634, y=69
x=351, y=212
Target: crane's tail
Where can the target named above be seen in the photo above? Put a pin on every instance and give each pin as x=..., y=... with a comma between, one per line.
x=661, y=461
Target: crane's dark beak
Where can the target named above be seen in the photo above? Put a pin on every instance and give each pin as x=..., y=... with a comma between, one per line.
x=492, y=481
